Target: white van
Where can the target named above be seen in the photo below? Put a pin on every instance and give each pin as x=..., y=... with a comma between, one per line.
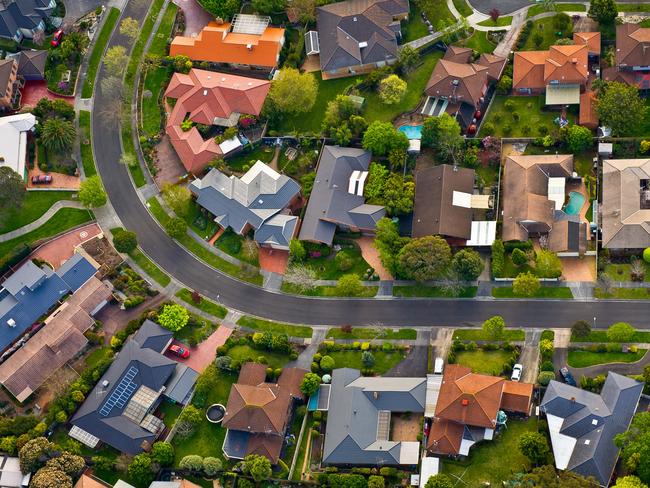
x=438, y=366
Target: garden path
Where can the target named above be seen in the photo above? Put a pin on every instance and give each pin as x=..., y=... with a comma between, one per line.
x=42, y=220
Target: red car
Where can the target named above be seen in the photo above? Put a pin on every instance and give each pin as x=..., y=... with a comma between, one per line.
x=41, y=179
x=180, y=351
x=58, y=37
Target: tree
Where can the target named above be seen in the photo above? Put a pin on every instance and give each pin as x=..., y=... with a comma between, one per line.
x=212, y=466
x=292, y=92
x=504, y=85
x=192, y=463
x=300, y=276
x=534, y=446
x=443, y=134
x=12, y=189
x=304, y=10
x=389, y=243
x=545, y=377
x=91, y=192
x=268, y=7
x=349, y=285
x=519, y=257
x=50, y=478
x=629, y=482
x=141, y=469
x=548, y=264
x=178, y=198
x=604, y=11
x=223, y=9
x=646, y=254
x=367, y=359
x=173, y=317
x=546, y=349
x=258, y=467
x=310, y=384
x=635, y=446
x=34, y=454
x=392, y=89
x=176, y=227
x=468, y=264
x=495, y=13
x=547, y=477
x=116, y=60
x=426, y=258
x=130, y=28
x=620, y=107
x=327, y=364
x=162, y=453
x=494, y=327
x=70, y=464
x=381, y=137
x=621, y=332
x=439, y=480
x=580, y=328
x=578, y=138
x=374, y=188
x=103, y=463
x=297, y=250
x=376, y=481
x=57, y=135
x=408, y=58
x=398, y=194
x=525, y=285
x=125, y=241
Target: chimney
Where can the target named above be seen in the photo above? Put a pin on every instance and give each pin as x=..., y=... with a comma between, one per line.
x=11, y=323
x=574, y=60
x=573, y=399
x=375, y=395
x=464, y=402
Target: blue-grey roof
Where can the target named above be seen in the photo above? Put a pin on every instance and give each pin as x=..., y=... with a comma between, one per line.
x=594, y=420
x=180, y=385
x=76, y=271
x=152, y=336
x=22, y=14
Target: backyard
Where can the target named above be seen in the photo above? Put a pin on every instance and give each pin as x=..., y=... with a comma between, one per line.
x=414, y=27
x=383, y=360
x=486, y=362
x=581, y=358
x=245, y=353
x=531, y=119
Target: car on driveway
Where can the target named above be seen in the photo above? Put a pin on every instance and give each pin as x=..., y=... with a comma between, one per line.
x=57, y=38
x=517, y=369
x=567, y=376
x=179, y=351
x=41, y=179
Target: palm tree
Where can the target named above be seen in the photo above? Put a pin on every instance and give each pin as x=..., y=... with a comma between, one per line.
x=57, y=134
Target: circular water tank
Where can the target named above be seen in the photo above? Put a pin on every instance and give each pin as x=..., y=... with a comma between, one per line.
x=327, y=378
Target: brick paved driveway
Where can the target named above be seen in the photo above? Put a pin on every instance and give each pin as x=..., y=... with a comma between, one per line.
x=203, y=354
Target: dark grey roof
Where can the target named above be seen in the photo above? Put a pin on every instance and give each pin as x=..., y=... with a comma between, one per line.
x=330, y=203
x=6, y=65
x=352, y=419
x=31, y=64
x=152, y=336
x=22, y=14
x=180, y=385
x=593, y=420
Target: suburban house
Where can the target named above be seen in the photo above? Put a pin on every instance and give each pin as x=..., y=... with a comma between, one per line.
x=583, y=424
x=31, y=291
x=471, y=406
x=459, y=86
x=625, y=207
x=211, y=99
x=359, y=419
x=534, y=191
x=356, y=36
x=337, y=199
x=120, y=409
x=22, y=19
x=259, y=413
x=445, y=205
x=31, y=64
x=247, y=41
x=59, y=340
x=87, y=480
x=14, y=132
x=10, y=474
x=632, y=57
x=260, y=201
x=10, y=85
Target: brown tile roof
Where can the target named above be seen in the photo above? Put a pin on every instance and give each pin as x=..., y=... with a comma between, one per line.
x=252, y=374
x=517, y=397
x=494, y=64
x=462, y=82
x=632, y=45
x=269, y=446
x=290, y=379
x=457, y=54
x=56, y=343
x=528, y=70
x=445, y=437
x=589, y=39
x=567, y=64
x=434, y=212
x=588, y=114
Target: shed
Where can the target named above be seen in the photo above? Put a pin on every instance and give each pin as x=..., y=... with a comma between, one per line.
x=357, y=101
x=430, y=467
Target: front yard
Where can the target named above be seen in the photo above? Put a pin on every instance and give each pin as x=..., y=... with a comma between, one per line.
x=34, y=205
x=486, y=362
x=531, y=119
x=275, y=327
x=544, y=33
x=479, y=335
x=581, y=358
x=544, y=292
x=352, y=359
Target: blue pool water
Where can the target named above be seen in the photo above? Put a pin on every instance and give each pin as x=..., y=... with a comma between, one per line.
x=576, y=201
x=412, y=131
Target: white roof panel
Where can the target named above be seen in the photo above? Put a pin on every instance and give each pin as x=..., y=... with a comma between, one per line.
x=484, y=233
x=461, y=199
x=430, y=467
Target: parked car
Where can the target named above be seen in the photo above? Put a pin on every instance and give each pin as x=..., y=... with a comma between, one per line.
x=41, y=179
x=438, y=366
x=517, y=369
x=179, y=351
x=57, y=38
x=567, y=376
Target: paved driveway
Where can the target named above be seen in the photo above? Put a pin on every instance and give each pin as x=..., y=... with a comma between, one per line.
x=504, y=6
x=415, y=364
x=75, y=9
x=61, y=249
x=203, y=354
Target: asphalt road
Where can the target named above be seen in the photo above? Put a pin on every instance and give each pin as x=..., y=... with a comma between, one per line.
x=176, y=261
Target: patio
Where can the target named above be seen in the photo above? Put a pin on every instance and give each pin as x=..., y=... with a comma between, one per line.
x=405, y=426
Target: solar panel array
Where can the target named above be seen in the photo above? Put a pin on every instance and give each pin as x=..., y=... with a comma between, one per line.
x=121, y=394
x=249, y=24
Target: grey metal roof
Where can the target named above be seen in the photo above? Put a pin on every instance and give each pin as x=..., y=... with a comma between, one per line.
x=180, y=385
x=152, y=336
x=22, y=14
x=76, y=271
x=330, y=204
x=355, y=403
x=594, y=420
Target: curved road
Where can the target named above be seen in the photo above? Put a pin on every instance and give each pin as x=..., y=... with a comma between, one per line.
x=195, y=274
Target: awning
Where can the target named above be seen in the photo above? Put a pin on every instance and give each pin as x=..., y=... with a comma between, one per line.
x=562, y=94
x=483, y=233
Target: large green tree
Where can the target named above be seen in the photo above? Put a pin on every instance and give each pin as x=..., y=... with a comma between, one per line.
x=35, y=453
x=141, y=469
x=349, y=285
x=439, y=480
x=548, y=265
x=50, y=478
x=604, y=11
x=494, y=327
x=635, y=446
x=534, y=446
x=57, y=135
x=12, y=189
x=91, y=192
x=547, y=477
x=620, y=108
x=310, y=384
x=389, y=243
x=268, y=7
x=125, y=241
x=223, y=9
x=620, y=332
x=525, y=285
x=468, y=264
x=444, y=135
x=392, y=89
x=258, y=467
x=578, y=138
x=398, y=194
x=425, y=258
x=381, y=137
x=629, y=482
x=70, y=464
x=292, y=92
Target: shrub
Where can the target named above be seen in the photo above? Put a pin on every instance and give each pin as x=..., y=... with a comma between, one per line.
x=519, y=257
x=545, y=377
x=498, y=258
x=547, y=366
x=487, y=129
x=620, y=332
x=327, y=364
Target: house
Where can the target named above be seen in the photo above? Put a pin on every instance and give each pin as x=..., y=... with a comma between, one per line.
x=258, y=413
x=90, y=481
x=445, y=205
x=356, y=36
x=10, y=474
x=209, y=98
x=534, y=193
x=459, y=86
x=359, y=419
x=583, y=425
x=470, y=406
x=31, y=64
x=22, y=19
x=10, y=85
x=247, y=41
x=632, y=61
x=59, y=340
x=625, y=207
x=119, y=410
x=259, y=201
x=337, y=199
x=14, y=133
x=32, y=290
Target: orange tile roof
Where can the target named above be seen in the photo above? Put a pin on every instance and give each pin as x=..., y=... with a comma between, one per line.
x=528, y=70
x=567, y=64
x=517, y=397
x=588, y=114
x=445, y=437
x=589, y=39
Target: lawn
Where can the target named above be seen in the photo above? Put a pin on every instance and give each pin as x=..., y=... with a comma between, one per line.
x=326, y=269
x=582, y=358
x=436, y=10
x=624, y=293
x=479, y=335
x=196, y=331
x=98, y=51
x=35, y=204
x=245, y=353
x=485, y=464
x=543, y=292
x=633, y=7
x=149, y=267
x=207, y=306
x=233, y=245
x=478, y=42
x=432, y=292
x=369, y=333
x=199, y=222
x=383, y=360
x=97, y=355
x=415, y=27
x=640, y=336
x=63, y=220
x=531, y=116
x=275, y=327
x=86, y=145
x=623, y=271
x=559, y=7
x=170, y=412
x=261, y=152
x=486, y=362
x=501, y=22
x=462, y=7
x=326, y=291
x=550, y=34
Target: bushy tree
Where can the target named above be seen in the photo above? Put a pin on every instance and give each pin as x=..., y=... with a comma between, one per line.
x=525, y=285
x=629, y=482
x=620, y=107
x=258, y=467
x=504, y=85
x=300, y=276
x=519, y=257
x=12, y=190
x=349, y=285
x=546, y=349
x=425, y=258
x=292, y=92
x=297, y=250
x=468, y=264
x=389, y=243
x=173, y=317
x=222, y=9
x=178, y=198
x=646, y=254
x=580, y=328
x=162, y=453
x=327, y=364
x=381, y=137
x=374, y=187
x=34, y=454
x=130, y=28
x=57, y=134
x=443, y=134
x=91, y=192
x=439, y=480
x=620, y=332
x=192, y=463
x=494, y=327
x=367, y=359
x=635, y=446
x=548, y=265
x=578, y=138
x=212, y=466
x=534, y=446
x=547, y=477
x=392, y=89
x=115, y=60
x=268, y=7
x=141, y=469
x=604, y=11
x=70, y=464
x=50, y=478
x=176, y=227
x=125, y=241
x=310, y=384
x=545, y=377
x=398, y=195
x=408, y=58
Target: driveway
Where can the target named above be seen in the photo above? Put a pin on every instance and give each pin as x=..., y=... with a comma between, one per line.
x=75, y=9
x=34, y=90
x=504, y=6
x=61, y=249
x=415, y=364
x=114, y=319
x=529, y=358
x=203, y=354
x=195, y=17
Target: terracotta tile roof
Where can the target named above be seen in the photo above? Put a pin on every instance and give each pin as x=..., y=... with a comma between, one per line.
x=494, y=64
x=445, y=437
x=517, y=397
x=528, y=70
x=588, y=114
x=457, y=54
x=632, y=45
x=464, y=82
x=589, y=39
x=87, y=481
x=567, y=64
x=252, y=374
x=269, y=446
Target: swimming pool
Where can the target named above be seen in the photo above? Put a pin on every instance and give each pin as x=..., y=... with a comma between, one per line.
x=576, y=201
x=412, y=131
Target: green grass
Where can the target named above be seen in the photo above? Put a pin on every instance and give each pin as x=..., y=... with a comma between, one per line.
x=35, y=204
x=369, y=333
x=98, y=355
x=149, y=267
x=98, y=51
x=559, y=7
x=297, y=472
x=485, y=461
x=543, y=292
x=549, y=34
x=633, y=7
x=486, y=362
x=290, y=449
x=171, y=412
x=623, y=271
x=86, y=144
x=196, y=331
x=531, y=114
x=326, y=291
x=208, y=227
x=415, y=27
x=233, y=244
x=624, y=293
x=63, y=220
x=246, y=353
x=479, y=335
x=383, y=360
x=261, y=152
x=462, y=7
x=325, y=267
x=432, y=292
x=208, y=306
x=640, y=336
x=501, y=22
x=548, y=335
x=478, y=42
x=275, y=327
x=436, y=10
x=583, y=359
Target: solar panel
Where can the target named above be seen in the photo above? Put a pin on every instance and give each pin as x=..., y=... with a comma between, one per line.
x=122, y=392
x=249, y=24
